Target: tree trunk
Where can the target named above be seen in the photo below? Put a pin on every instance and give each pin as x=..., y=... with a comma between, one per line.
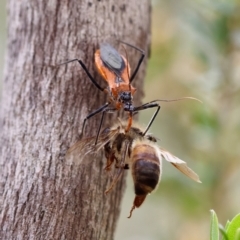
x=42, y=112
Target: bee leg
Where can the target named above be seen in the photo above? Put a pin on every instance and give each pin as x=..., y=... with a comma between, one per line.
x=121, y=167
x=109, y=164
x=109, y=156
x=115, y=180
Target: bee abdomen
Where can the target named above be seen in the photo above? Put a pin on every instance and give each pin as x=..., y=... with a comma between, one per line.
x=146, y=176
x=145, y=169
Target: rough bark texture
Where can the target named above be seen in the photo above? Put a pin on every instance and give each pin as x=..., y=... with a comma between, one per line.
x=42, y=112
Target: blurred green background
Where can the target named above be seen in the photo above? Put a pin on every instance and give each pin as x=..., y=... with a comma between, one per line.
x=195, y=52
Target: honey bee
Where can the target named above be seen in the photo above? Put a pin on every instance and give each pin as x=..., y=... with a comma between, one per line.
x=131, y=150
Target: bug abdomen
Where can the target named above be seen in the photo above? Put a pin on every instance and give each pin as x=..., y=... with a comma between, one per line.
x=145, y=169
x=146, y=176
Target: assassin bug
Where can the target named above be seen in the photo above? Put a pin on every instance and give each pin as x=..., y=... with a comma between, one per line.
x=115, y=70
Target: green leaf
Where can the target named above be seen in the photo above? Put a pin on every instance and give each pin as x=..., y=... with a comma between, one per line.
x=223, y=232
x=227, y=225
x=237, y=236
x=234, y=228
x=214, y=233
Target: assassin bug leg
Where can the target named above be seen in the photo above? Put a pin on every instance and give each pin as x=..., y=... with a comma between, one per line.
x=93, y=114
x=100, y=125
x=139, y=61
x=146, y=106
x=86, y=70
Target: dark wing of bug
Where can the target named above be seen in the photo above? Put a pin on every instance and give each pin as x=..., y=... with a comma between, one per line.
x=111, y=58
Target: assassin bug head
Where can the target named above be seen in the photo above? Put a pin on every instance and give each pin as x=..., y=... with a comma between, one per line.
x=126, y=99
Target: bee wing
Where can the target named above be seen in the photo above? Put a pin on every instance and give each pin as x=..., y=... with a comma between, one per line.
x=80, y=149
x=179, y=164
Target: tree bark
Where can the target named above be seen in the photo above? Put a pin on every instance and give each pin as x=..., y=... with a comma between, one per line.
x=42, y=112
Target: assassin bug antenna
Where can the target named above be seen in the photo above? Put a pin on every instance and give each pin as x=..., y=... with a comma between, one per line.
x=153, y=103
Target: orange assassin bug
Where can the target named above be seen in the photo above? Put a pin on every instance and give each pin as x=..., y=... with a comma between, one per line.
x=115, y=70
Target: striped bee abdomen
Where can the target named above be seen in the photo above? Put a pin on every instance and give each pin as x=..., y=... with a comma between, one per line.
x=146, y=176
x=146, y=172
